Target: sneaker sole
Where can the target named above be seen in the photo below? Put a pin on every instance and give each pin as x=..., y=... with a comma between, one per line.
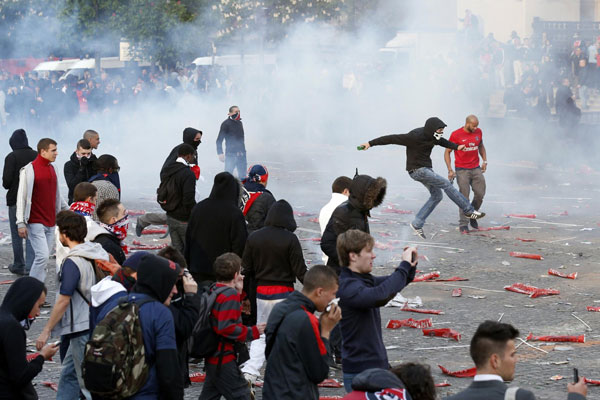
x=416, y=232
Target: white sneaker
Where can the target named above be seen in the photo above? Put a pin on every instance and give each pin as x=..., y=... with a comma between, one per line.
x=475, y=215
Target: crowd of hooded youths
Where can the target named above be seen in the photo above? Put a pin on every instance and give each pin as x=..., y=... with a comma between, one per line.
x=238, y=246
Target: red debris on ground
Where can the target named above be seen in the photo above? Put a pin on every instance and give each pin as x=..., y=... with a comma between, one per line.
x=154, y=231
x=382, y=246
x=331, y=383
x=591, y=381
x=417, y=310
x=550, y=338
x=197, y=377
x=442, y=332
x=442, y=384
x=494, y=228
x=465, y=373
x=521, y=215
x=592, y=308
x=310, y=239
x=393, y=210
x=149, y=247
x=526, y=240
x=409, y=323
x=457, y=292
x=7, y=282
x=51, y=385
x=562, y=274
x=426, y=277
x=532, y=291
x=563, y=214
x=315, y=220
x=453, y=279
x=302, y=214
x=518, y=254
x=136, y=212
x=387, y=234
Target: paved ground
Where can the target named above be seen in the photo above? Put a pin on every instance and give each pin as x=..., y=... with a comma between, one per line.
x=565, y=201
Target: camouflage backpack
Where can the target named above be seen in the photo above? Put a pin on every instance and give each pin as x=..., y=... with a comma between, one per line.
x=114, y=364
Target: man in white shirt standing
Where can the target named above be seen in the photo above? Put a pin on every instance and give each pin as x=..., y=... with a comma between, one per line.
x=340, y=192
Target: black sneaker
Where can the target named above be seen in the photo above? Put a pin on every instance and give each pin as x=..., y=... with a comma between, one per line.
x=463, y=229
x=474, y=224
x=418, y=231
x=138, y=228
x=475, y=215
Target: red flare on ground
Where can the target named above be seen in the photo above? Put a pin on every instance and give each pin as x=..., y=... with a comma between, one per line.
x=457, y=292
x=310, y=239
x=331, y=383
x=526, y=240
x=51, y=385
x=592, y=308
x=315, y=220
x=521, y=215
x=409, y=309
x=442, y=332
x=197, y=377
x=7, y=282
x=146, y=247
x=494, y=228
x=426, y=277
x=465, y=373
x=532, y=291
x=442, y=384
x=136, y=212
x=302, y=214
x=591, y=381
x=526, y=255
x=550, y=338
x=562, y=274
x=453, y=279
x=409, y=323
x=154, y=231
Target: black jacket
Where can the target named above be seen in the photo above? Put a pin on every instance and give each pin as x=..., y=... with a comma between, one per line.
x=185, y=182
x=257, y=213
x=185, y=308
x=16, y=373
x=273, y=255
x=419, y=143
x=188, y=138
x=77, y=171
x=216, y=226
x=232, y=132
x=365, y=193
x=112, y=245
x=296, y=353
x=21, y=155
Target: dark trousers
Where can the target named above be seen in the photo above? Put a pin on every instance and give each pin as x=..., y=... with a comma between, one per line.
x=177, y=231
x=467, y=179
x=236, y=161
x=228, y=382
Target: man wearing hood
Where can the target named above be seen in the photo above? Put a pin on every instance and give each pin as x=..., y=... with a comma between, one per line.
x=80, y=167
x=340, y=191
x=216, y=226
x=273, y=258
x=22, y=302
x=156, y=279
x=21, y=155
x=70, y=316
x=256, y=199
x=184, y=183
x=419, y=142
x=232, y=132
x=192, y=137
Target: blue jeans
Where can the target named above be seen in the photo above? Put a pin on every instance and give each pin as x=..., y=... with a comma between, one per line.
x=348, y=381
x=236, y=160
x=42, y=239
x=71, y=380
x=20, y=264
x=435, y=184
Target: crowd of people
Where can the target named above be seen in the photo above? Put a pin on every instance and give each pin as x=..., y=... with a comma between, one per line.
x=129, y=323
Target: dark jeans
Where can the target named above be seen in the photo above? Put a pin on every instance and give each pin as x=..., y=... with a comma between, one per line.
x=467, y=179
x=228, y=382
x=236, y=161
x=177, y=231
x=19, y=264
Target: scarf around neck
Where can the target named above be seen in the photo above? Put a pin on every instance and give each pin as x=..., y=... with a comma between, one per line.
x=84, y=208
x=119, y=229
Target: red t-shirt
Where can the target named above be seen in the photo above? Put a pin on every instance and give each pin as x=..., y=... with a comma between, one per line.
x=469, y=157
x=43, y=198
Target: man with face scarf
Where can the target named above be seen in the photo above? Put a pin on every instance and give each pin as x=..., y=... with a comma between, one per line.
x=419, y=142
x=21, y=303
x=115, y=222
x=191, y=136
x=232, y=132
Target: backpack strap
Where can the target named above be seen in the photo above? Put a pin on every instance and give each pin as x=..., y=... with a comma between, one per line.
x=511, y=393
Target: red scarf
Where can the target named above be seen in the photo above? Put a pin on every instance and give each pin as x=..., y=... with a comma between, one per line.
x=84, y=208
x=119, y=229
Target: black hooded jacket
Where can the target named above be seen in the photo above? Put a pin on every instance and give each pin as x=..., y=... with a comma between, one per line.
x=188, y=138
x=185, y=182
x=232, y=131
x=296, y=353
x=216, y=226
x=78, y=170
x=21, y=155
x=419, y=142
x=16, y=373
x=257, y=213
x=365, y=193
x=273, y=255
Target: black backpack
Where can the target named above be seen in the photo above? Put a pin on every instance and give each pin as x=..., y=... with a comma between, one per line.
x=204, y=341
x=167, y=194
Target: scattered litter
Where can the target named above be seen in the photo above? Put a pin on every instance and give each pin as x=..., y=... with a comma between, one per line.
x=499, y=249
x=526, y=255
x=409, y=323
x=393, y=210
x=443, y=347
x=197, y=377
x=317, y=239
x=442, y=332
x=526, y=240
x=465, y=373
x=509, y=306
x=592, y=308
x=520, y=216
x=401, y=301
x=331, y=383
x=315, y=220
x=530, y=345
x=416, y=310
x=586, y=242
x=532, y=291
x=154, y=231
x=456, y=292
x=586, y=229
x=500, y=318
x=7, y=282
x=587, y=327
x=557, y=377
x=591, y=381
x=303, y=214
x=494, y=228
x=562, y=274
x=552, y=338
x=563, y=348
x=476, y=297
x=136, y=212
x=505, y=263
x=426, y=277
x=51, y=385
x=443, y=384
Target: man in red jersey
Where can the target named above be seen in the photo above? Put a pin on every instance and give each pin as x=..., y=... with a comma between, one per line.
x=469, y=172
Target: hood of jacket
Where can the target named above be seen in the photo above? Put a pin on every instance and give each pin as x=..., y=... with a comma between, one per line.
x=293, y=302
x=89, y=250
x=188, y=137
x=375, y=379
x=431, y=125
x=156, y=277
x=281, y=215
x=225, y=188
x=22, y=296
x=367, y=192
x=104, y=290
x=18, y=140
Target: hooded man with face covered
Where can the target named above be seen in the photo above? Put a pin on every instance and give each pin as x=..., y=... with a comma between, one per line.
x=419, y=142
x=232, y=132
x=21, y=303
x=191, y=136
